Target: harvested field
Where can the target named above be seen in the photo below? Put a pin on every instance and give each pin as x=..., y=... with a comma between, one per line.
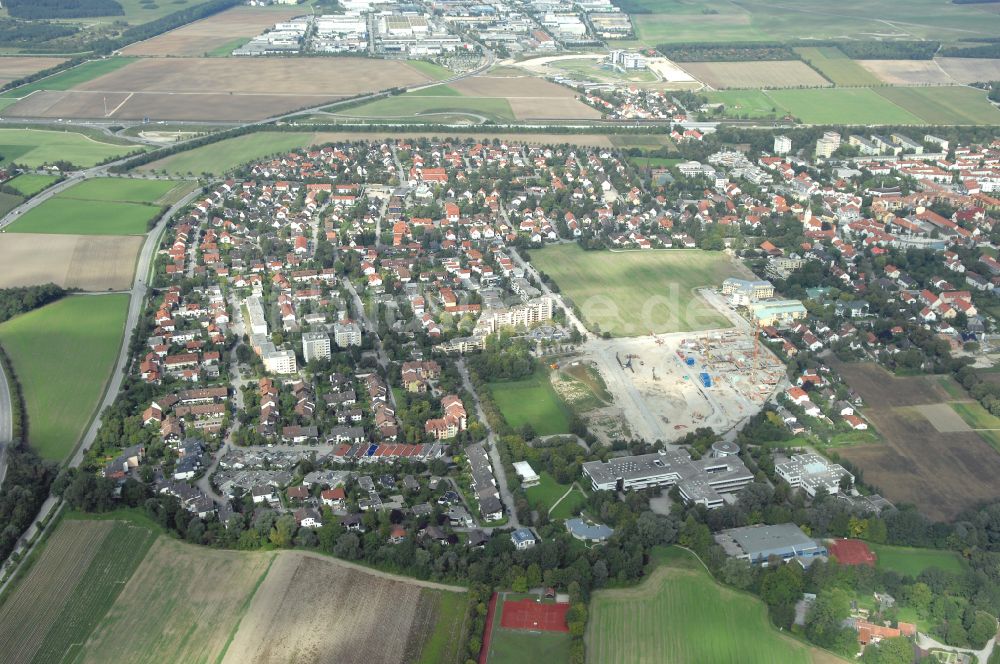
x=943, y=417
x=31, y=610
x=539, y=108
x=971, y=70
x=530, y=98
x=908, y=72
x=942, y=473
x=294, y=616
x=15, y=67
x=752, y=75
x=88, y=262
x=217, y=89
x=182, y=604
x=209, y=33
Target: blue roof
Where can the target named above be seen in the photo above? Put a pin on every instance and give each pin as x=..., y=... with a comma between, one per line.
x=371, y=450
x=584, y=530
x=522, y=535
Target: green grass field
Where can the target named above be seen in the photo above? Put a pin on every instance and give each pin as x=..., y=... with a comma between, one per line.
x=842, y=106
x=654, y=162
x=977, y=417
x=436, y=91
x=833, y=64
x=680, y=614
x=411, y=105
x=121, y=190
x=945, y=104
x=508, y=646
x=758, y=20
x=29, y=184
x=63, y=215
x=63, y=385
x=532, y=401
x=632, y=293
x=225, y=50
x=218, y=158
x=8, y=202
x=429, y=69
x=70, y=78
x=112, y=567
x=548, y=493
x=746, y=103
x=912, y=561
x=444, y=643
x=37, y=147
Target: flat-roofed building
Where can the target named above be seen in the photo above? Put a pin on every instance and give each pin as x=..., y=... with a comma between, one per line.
x=810, y=471
x=777, y=312
x=529, y=477
x=315, y=346
x=757, y=544
x=257, y=323
x=742, y=292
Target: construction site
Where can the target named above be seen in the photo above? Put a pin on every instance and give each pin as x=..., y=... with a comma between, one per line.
x=669, y=384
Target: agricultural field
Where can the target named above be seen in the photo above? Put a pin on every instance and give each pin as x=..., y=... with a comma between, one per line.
x=754, y=75
x=60, y=410
x=532, y=401
x=842, y=106
x=421, y=104
x=37, y=147
x=87, y=262
x=160, y=614
x=922, y=459
x=907, y=72
x=28, y=184
x=70, y=78
x=293, y=617
x=674, y=21
x=912, y=561
x=970, y=70
x=749, y=104
x=207, y=89
x=105, y=206
x=80, y=572
x=231, y=28
x=832, y=63
x=13, y=67
x=630, y=293
x=945, y=105
x=680, y=614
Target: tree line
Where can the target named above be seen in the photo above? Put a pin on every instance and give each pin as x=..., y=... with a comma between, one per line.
x=42, y=9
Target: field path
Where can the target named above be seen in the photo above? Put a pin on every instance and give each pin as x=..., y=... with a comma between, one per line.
x=432, y=585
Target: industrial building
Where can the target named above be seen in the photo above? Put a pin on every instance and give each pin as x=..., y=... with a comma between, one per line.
x=702, y=482
x=758, y=543
x=810, y=471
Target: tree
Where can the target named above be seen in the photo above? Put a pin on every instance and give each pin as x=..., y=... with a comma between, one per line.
x=898, y=650
x=919, y=596
x=348, y=547
x=823, y=624
x=737, y=573
x=283, y=531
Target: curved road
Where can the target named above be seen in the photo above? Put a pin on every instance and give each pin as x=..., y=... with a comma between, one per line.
x=6, y=422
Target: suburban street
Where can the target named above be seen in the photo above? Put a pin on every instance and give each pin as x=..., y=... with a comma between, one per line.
x=498, y=471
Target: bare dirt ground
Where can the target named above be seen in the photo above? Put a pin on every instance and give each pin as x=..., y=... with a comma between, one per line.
x=908, y=72
x=942, y=473
x=14, y=67
x=207, y=34
x=971, y=70
x=942, y=417
x=89, y=262
x=541, y=108
x=312, y=609
x=34, y=606
x=762, y=74
x=204, y=89
x=182, y=604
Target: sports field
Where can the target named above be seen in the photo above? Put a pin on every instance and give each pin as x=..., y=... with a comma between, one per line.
x=832, y=63
x=532, y=401
x=633, y=293
x=70, y=78
x=29, y=184
x=913, y=561
x=680, y=614
x=36, y=147
x=79, y=574
x=759, y=20
x=62, y=386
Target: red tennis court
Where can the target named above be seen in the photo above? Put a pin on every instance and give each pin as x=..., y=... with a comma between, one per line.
x=852, y=552
x=529, y=614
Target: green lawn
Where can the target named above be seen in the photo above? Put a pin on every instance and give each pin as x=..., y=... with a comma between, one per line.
x=632, y=293
x=29, y=184
x=121, y=189
x=951, y=386
x=654, y=162
x=976, y=416
x=37, y=147
x=833, y=64
x=8, y=202
x=62, y=215
x=913, y=561
x=411, y=105
x=548, y=492
x=532, y=401
x=842, y=106
x=63, y=384
x=445, y=642
x=70, y=78
x=225, y=50
x=436, y=91
x=218, y=158
x=508, y=646
x=746, y=103
x=566, y=507
x=435, y=72
x=680, y=614
x=794, y=20
x=945, y=104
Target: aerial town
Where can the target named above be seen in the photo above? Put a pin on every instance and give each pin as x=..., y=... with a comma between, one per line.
x=593, y=331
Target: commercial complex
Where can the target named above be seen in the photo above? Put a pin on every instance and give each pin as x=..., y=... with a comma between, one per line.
x=810, y=471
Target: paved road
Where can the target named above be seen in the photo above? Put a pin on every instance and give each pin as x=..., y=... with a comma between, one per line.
x=491, y=444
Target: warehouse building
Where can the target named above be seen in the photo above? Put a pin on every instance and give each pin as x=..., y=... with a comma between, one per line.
x=758, y=543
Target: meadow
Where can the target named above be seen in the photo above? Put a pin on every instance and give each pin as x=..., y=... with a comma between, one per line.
x=680, y=614
x=945, y=104
x=218, y=158
x=913, y=561
x=633, y=293
x=832, y=63
x=532, y=401
x=548, y=493
x=81, y=336
x=28, y=184
x=79, y=573
x=70, y=78
x=37, y=147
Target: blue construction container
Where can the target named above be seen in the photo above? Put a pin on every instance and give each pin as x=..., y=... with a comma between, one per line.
x=706, y=380
x=690, y=361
